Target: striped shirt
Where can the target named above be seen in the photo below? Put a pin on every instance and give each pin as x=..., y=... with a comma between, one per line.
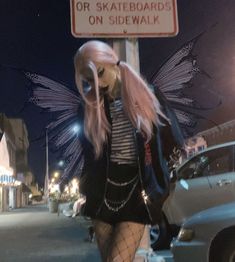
x=123, y=148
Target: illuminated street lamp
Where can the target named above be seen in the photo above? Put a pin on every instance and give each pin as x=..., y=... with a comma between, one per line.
x=61, y=163
x=56, y=174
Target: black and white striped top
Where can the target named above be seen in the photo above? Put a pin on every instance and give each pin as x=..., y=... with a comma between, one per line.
x=123, y=148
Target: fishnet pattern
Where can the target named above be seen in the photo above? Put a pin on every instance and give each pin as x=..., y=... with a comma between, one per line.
x=103, y=233
x=125, y=241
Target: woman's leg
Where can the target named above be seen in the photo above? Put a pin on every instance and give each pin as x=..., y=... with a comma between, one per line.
x=103, y=234
x=125, y=241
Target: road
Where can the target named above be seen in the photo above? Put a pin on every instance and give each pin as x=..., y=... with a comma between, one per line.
x=34, y=234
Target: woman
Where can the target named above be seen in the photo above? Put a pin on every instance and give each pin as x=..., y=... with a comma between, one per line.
x=126, y=131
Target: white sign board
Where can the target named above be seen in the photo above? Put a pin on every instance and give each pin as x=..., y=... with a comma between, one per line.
x=124, y=18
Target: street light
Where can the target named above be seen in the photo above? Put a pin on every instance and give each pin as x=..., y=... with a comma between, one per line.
x=56, y=174
x=75, y=128
x=61, y=163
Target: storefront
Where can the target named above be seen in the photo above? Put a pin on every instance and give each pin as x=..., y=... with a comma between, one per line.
x=9, y=188
x=8, y=184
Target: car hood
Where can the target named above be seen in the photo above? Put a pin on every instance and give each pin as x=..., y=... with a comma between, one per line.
x=221, y=212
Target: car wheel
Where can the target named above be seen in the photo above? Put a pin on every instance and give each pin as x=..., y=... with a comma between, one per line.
x=160, y=236
x=225, y=252
x=228, y=252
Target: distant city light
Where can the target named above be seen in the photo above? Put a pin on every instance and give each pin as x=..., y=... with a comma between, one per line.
x=56, y=174
x=74, y=186
x=66, y=189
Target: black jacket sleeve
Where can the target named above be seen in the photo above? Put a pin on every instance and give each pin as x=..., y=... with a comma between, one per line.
x=170, y=132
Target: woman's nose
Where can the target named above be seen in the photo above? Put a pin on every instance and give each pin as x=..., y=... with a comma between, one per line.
x=101, y=83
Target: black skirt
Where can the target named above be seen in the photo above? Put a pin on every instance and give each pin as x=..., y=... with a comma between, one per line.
x=121, y=197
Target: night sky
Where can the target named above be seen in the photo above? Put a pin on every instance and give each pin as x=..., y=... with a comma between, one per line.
x=35, y=35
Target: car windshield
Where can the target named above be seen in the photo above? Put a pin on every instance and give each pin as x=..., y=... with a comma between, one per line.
x=213, y=162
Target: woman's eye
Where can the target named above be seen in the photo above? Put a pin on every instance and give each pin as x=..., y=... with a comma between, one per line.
x=100, y=73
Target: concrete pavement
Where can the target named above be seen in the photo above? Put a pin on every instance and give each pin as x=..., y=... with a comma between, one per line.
x=34, y=234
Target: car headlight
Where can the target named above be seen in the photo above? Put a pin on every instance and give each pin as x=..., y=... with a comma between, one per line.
x=185, y=234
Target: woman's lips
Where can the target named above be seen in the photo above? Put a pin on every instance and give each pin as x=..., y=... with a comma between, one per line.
x=103, y=89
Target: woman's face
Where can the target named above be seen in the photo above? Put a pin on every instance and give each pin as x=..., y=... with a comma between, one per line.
x=108, y=78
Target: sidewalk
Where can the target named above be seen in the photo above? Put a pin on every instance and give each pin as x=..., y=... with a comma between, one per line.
x=34, y=234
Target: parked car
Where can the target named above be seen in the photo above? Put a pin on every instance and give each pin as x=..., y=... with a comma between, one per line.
x=208, y=236
x=205, y=180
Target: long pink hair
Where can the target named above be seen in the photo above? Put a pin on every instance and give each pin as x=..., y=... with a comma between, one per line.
x=139, y=103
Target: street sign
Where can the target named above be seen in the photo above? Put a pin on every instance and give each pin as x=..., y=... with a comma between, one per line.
x=124, y=18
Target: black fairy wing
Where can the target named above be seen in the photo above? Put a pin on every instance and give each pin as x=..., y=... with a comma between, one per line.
x=64, y=129
x=172, y=79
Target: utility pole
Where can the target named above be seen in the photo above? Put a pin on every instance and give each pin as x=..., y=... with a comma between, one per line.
x=46, y=181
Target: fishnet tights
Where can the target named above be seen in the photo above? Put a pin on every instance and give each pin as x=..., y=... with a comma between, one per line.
x=103, y=233
x=118, y=243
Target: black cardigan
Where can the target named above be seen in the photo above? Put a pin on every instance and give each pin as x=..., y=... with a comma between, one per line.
x=155, y=177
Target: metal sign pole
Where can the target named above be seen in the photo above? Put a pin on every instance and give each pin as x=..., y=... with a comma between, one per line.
x=128, y=50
